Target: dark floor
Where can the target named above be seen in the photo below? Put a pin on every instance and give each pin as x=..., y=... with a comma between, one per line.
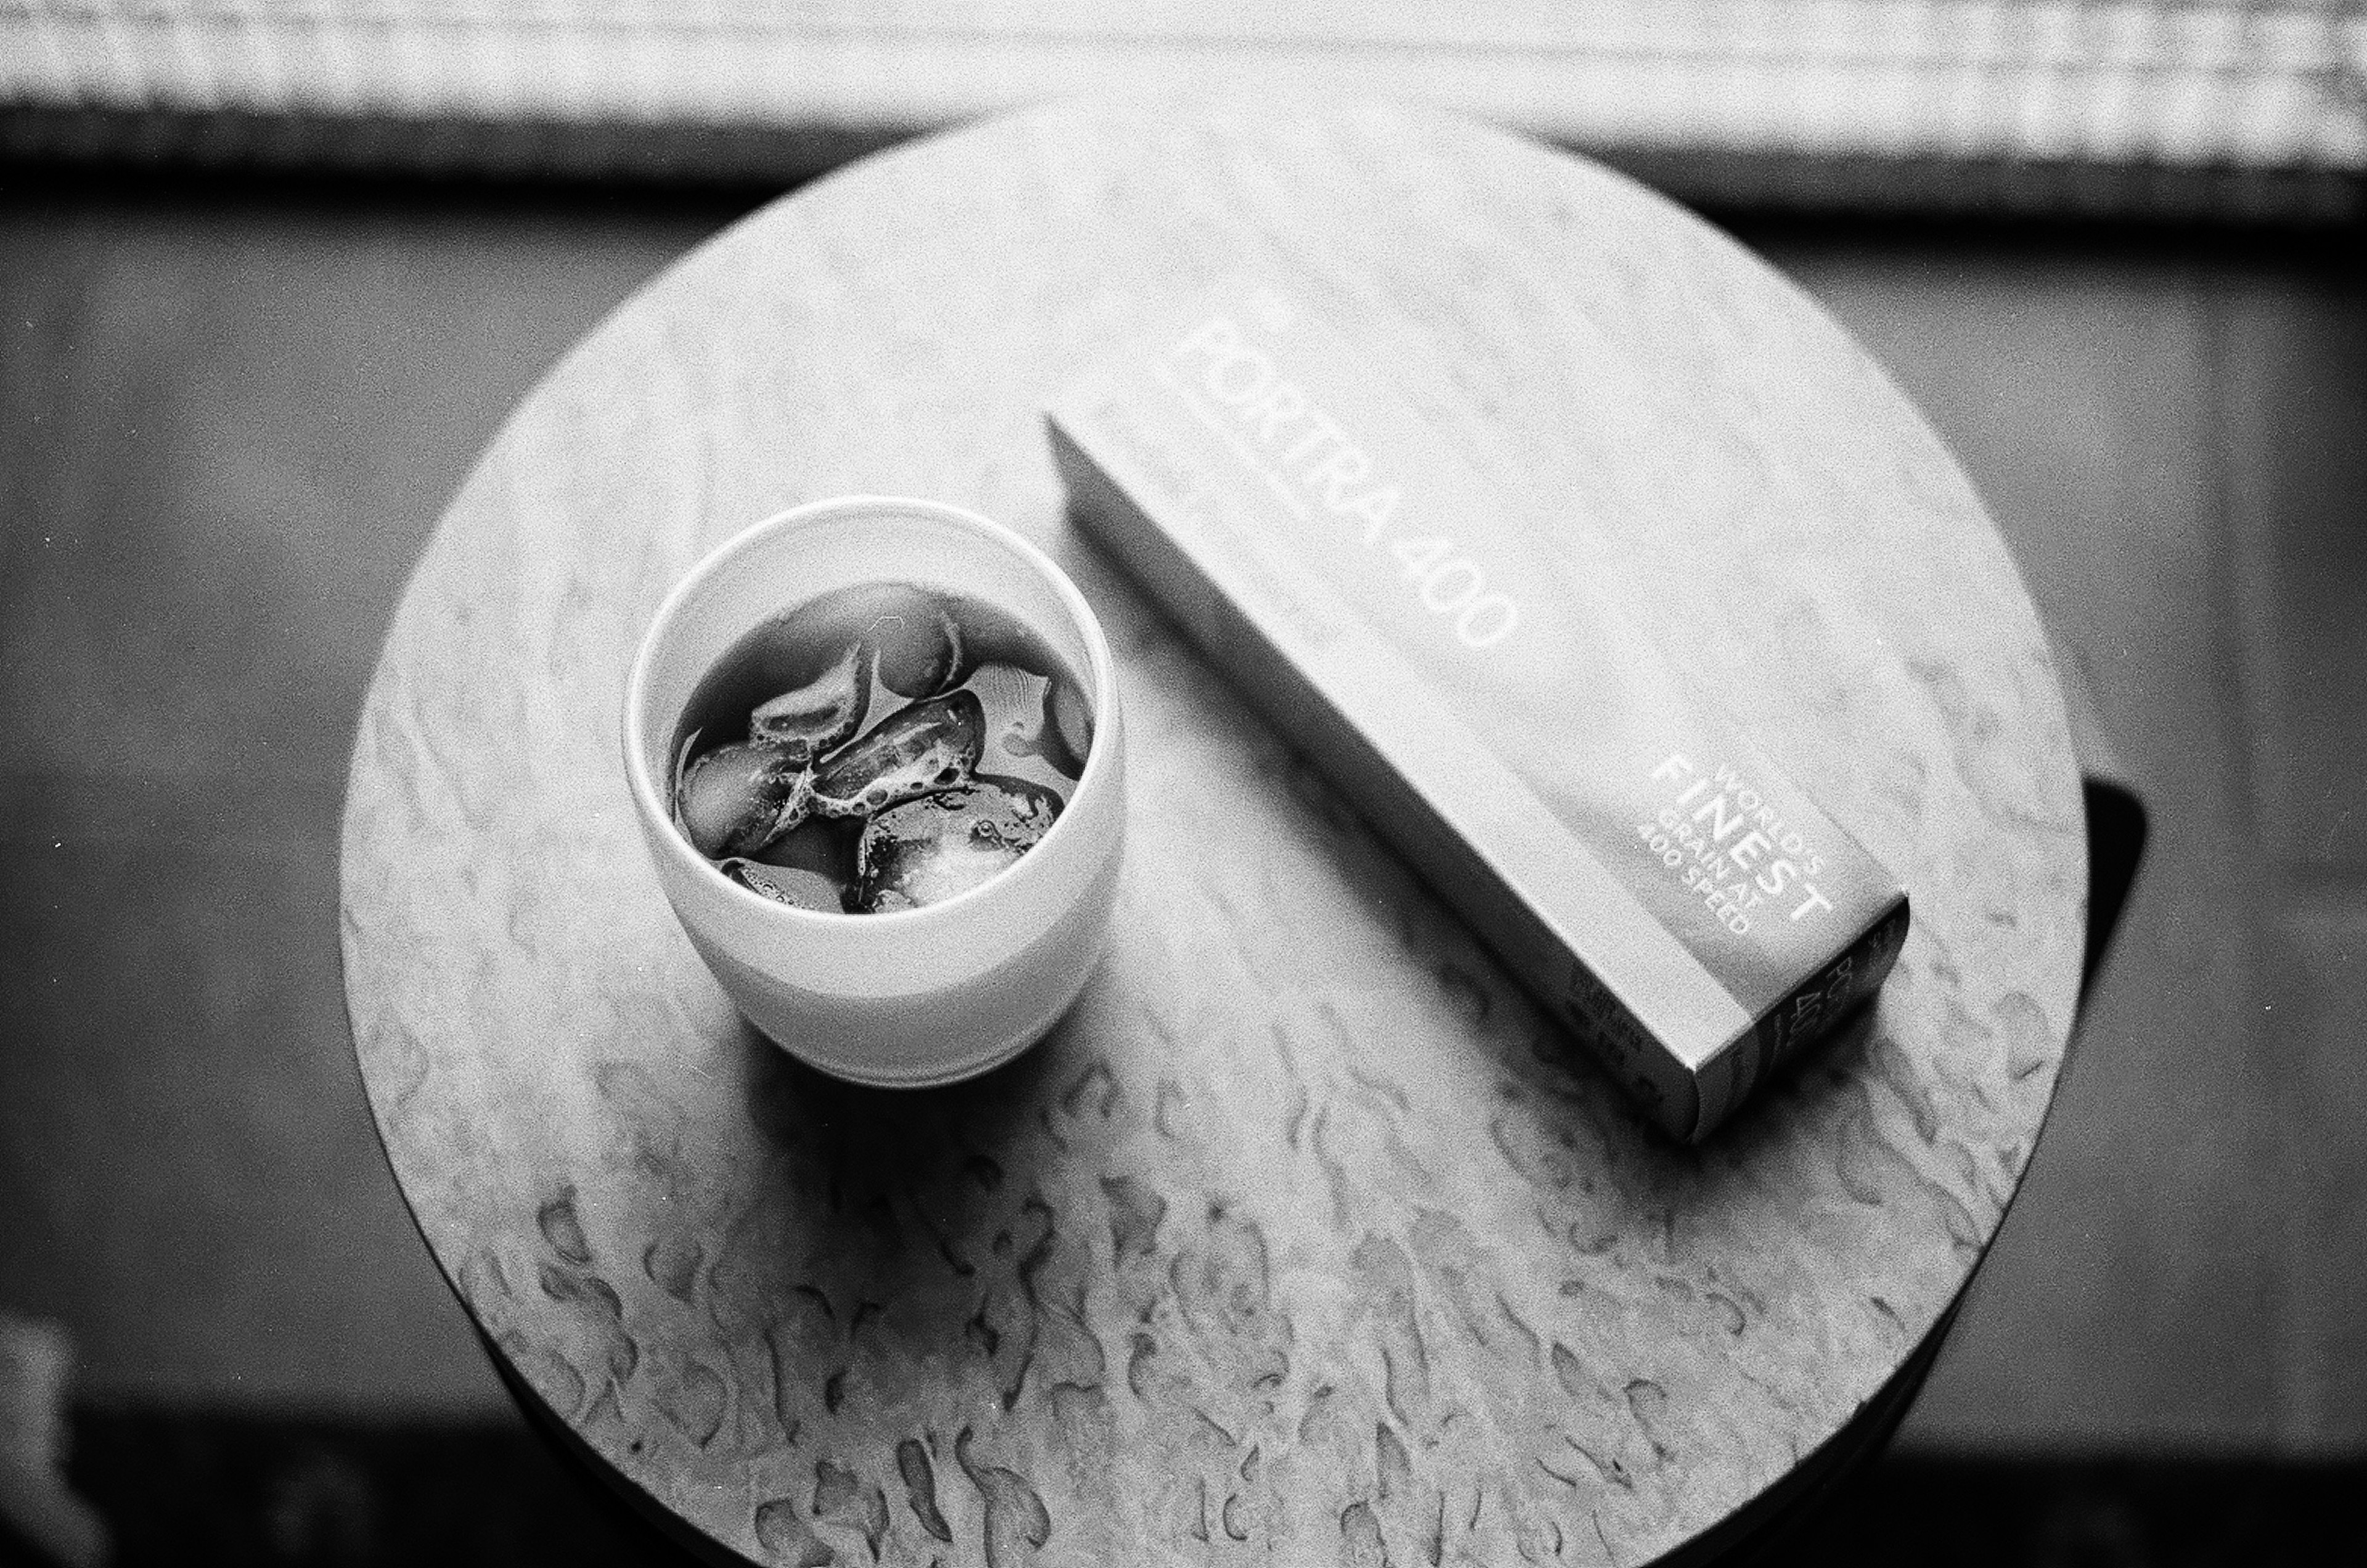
x=228, y=415
x=325, y=1494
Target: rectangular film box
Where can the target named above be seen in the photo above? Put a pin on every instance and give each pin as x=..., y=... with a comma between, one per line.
x=1461, y=666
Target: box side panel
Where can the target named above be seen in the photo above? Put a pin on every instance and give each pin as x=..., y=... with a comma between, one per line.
x=1280, y=691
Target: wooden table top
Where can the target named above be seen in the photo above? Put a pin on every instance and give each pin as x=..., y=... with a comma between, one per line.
x=1304, y=1234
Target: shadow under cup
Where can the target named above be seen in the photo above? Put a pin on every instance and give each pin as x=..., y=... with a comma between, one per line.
x=915, y=997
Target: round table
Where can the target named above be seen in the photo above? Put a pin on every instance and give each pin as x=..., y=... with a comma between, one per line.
x=1304, y=1234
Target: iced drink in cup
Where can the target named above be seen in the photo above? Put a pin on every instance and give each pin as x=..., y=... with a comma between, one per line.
x=876, y=750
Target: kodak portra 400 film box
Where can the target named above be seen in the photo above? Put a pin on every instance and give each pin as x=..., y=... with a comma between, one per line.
x=1459, y=662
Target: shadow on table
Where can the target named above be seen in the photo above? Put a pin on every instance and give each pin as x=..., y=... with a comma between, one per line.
x=877, y=1143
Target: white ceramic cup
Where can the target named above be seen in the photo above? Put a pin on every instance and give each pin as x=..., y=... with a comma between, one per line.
x=916, y=997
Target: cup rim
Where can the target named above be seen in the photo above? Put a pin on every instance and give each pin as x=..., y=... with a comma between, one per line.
x=1102, y=671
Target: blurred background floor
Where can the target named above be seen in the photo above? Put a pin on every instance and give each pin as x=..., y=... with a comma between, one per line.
x=231, y=411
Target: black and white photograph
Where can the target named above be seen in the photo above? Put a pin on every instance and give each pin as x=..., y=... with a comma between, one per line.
x=912, y=783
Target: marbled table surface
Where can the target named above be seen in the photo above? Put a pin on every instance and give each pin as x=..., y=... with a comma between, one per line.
x=1304, y=1237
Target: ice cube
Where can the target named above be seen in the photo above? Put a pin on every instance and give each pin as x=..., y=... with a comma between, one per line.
x=911, y=633
x=738, y=798
x=821, y=716
x=1017, y=742
x=1068, y=728
x=930, y=746
x=928, y=850
x=793, y=885
x=919, y=651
